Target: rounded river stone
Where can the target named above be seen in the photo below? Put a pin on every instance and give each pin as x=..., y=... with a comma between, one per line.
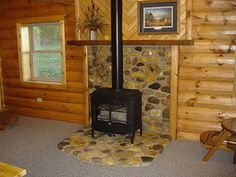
x=94, y=49
x=146, y=159
x=166, y=73
x=165, y=102
x=139, y=79
x=123, y=144
x=158, y=147
x=106, y=151
x=135, y=69
x=127, y=72
x=140, y=64
x=76, y=153
x=149, y=107
x=166, y=137
x=139, y=49
x=153, y=100
x=69, y=149
x=97, y=62
x=166, y=113
x=128, y=61
x=165, y=89
x=160, y=78
x=147, y=92
x=161, y=54
x=93, y=143
x=62, y=144
x=155, y=86
x=109, y=59
x=134, y=61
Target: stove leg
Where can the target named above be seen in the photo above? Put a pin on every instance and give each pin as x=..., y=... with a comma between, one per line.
x=132, y=138
x=141, y=131
x=92, y=132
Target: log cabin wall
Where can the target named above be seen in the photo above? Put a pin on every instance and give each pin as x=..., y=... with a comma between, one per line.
x=206, y=72
x=65, y=104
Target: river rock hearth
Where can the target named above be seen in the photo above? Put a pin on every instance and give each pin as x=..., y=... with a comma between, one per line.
x=117, y=150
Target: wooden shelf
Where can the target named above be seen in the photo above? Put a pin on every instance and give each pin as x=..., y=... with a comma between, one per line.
x=131, y=42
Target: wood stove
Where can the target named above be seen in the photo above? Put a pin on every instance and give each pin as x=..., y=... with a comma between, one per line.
x=117, y=110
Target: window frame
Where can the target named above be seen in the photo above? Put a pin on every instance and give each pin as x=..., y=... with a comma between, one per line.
x=30, y=80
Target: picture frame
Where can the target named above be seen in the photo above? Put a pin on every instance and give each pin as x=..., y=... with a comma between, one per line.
x=158, y=17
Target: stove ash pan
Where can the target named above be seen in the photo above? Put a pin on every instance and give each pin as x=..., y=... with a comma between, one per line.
x=117, y=111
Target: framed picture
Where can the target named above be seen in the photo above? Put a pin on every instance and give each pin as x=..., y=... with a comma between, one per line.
x=158, y=17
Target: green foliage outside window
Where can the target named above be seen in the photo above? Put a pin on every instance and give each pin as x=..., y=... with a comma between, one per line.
x=46, y=52
x=47, y=66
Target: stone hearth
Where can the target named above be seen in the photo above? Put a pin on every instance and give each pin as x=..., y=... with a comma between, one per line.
x=117, y=150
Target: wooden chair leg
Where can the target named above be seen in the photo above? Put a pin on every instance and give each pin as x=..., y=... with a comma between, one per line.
x=223, y=135
x=209, y=154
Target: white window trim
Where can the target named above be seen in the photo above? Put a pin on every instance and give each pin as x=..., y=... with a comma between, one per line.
x=32, y=82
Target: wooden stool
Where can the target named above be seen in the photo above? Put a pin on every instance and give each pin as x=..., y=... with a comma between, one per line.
x=7, y=170
x=224, y=139
x=213, y=140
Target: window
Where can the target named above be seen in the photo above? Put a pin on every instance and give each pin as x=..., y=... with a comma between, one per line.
x=41, y=52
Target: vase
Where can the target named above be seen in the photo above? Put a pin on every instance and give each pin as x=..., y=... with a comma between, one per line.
x=78, y=35
x=93, y=34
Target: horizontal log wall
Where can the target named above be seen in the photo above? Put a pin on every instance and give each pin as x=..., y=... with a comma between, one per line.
x=65, y=104
x=206, y=71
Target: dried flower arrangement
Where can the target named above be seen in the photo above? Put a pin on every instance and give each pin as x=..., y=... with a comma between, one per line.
x=92, y=20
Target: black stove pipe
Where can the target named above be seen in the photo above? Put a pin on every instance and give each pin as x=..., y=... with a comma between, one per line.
x=116, y=44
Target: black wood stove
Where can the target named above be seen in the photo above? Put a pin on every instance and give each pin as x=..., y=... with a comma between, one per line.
x=117, y=110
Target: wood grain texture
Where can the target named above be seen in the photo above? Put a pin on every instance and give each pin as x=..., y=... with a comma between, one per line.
x=65, y=103
x=206, y=87
x=207, y=69
x=86, y=90
x=130, y=20
x=189, y=20
x=174, y=91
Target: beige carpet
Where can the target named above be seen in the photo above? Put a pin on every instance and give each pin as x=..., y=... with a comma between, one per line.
x=32, y=145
